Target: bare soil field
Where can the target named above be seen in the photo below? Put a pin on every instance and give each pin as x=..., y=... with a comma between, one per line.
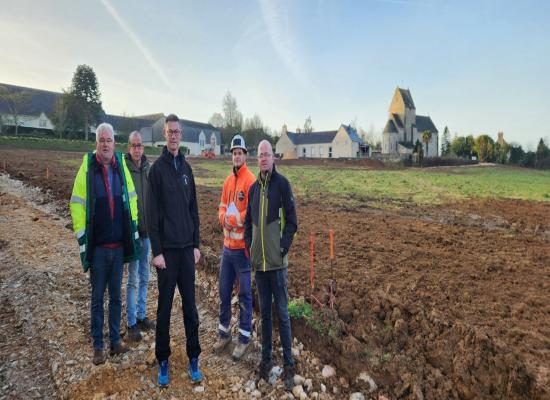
x=441, y=302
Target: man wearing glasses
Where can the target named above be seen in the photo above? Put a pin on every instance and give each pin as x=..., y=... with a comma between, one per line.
x=138, y=271
x=173, y=225
x=269, y=228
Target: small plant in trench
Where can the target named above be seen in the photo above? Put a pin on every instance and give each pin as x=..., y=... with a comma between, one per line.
x=323, y=322
x=299, y=309
x=384, y=358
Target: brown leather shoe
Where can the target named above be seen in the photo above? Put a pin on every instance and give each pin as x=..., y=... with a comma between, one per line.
x=99, y=357
x=118, y=349
x=288, y=378
x=145, y=324
x=133, y=334
x=221, y=344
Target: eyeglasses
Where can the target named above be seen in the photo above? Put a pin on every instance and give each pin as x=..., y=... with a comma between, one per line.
x=136, y=146
x=265, y=155
x=174, y=132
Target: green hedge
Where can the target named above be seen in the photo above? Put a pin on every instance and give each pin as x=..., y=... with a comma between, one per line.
x=32, y=143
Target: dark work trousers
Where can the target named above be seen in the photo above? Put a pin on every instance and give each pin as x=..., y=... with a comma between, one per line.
x=180, y=270
x=235, y=265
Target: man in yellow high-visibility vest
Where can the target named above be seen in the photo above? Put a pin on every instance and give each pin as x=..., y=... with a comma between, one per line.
x=104, y=213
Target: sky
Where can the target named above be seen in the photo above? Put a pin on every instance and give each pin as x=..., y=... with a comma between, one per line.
x=478, y=67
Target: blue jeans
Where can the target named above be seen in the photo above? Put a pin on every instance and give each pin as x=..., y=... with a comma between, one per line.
x=138, y=271
x=273, y=285
x=106, y=272
x=235, y=265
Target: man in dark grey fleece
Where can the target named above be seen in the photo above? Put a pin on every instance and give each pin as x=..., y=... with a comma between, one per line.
x=138, y=271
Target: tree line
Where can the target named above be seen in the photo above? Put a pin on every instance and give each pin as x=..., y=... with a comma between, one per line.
x=485, y=149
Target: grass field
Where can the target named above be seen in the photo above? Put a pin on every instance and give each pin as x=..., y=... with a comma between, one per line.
x=380, y=188
x=31, y=143
x=418, y=186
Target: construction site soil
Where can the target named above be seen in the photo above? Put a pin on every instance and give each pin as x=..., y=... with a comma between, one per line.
x=449, y=301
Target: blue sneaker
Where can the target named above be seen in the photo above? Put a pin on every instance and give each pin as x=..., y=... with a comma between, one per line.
x=163, y=374
x=194, y=371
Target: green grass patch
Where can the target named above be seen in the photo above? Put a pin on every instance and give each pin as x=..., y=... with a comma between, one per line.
x=298, y=308
x=31, y=143
x=393, y=188
x=386, y=357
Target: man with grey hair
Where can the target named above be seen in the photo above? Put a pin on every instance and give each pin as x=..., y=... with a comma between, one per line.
x=105, y=215
x=138, y=271
x=269, y=228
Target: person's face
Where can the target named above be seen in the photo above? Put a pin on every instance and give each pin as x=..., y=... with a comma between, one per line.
x=135, y=147
x=105, y=147
x=265, y=158
x=172, y=133
x=239, y=157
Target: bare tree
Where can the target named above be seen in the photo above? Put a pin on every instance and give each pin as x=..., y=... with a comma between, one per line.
x=253, y=123
x=370, y=136
x=308, y=127
x=217, y=120
x=230, y=111
x=16, y=101
x=60, y=116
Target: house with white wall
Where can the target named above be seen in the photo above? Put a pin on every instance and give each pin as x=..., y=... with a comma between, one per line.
x=341, y=143
x=196, y=136
x=34, y=109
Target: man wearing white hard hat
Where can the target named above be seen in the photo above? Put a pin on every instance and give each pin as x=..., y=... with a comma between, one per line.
x=235, y=264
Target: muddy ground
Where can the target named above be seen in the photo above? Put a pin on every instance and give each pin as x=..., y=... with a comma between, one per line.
x=438, y=302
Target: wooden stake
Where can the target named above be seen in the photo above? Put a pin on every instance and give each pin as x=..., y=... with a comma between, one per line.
x=311, y=261
x=331, y=232
x=47, y=173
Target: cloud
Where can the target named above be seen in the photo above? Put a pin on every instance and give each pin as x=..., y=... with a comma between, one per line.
x=137, y=41
x=282, y=38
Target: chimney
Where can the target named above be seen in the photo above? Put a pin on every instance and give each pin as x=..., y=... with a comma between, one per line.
x=298, y=130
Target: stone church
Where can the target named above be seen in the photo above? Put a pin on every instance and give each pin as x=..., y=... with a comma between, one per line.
x=404, y=128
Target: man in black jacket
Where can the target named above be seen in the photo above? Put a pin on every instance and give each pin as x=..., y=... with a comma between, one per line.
x=270, y=225
x=173, y=225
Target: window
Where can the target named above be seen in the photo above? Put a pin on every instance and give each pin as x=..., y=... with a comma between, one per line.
x=202, y=140
x=42, y=123
x=303, y=151
x=330, y=152
x=312, y=151
x=320, y=150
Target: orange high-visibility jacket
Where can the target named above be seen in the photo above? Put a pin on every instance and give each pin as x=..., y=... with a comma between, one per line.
x=235, y=190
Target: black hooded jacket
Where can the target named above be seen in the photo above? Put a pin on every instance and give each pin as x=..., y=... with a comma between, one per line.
x=172, y=211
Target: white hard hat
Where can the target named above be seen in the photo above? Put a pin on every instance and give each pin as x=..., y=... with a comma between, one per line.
x=238, y=143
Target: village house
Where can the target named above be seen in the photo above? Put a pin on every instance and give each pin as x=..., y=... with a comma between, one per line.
x=36, y=109
x=196, y=136
x=342, y=143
